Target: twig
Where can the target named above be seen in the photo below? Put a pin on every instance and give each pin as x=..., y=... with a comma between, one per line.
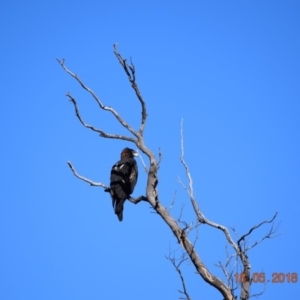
x=220, y=265
x=189, y=190
x=259, y=294
x=177, y=268
x=173, y=201
x=92, y=183
x=159, y=158
x=143, y=163
x=255, y=227
x=131, y=77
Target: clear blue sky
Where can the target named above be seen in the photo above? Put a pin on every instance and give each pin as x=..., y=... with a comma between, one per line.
x=230, y=69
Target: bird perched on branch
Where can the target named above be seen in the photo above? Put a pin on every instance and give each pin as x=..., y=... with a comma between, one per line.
x=123, y=178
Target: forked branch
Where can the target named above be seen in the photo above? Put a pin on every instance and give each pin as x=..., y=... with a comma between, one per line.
x=101, y=105
x=102, y=133
x=269, y=235
x=176, y=264
x=240, y=253
x=130, y=72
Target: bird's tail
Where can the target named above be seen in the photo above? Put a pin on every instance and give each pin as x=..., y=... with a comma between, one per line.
x=119, y=208
x=119, y=212
x=118, y=199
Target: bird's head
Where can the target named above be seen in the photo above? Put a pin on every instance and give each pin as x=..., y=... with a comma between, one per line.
x=128, y=153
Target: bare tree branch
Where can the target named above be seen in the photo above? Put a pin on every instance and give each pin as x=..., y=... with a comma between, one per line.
x=92, y=183
x=159, y=158
x=269, y=235
x=137, y=200
x=102, y=106
x=131, y=78
x=245, y=286
x=178, y=270
x=190, y=190
x=220, y=265
x=143, y=163
x=173, y=201
x=201, y=218
x=117, y=136
x=241, y=253
x=255, y=227
x=102, y=133
x=259, y=294
x=228, y=269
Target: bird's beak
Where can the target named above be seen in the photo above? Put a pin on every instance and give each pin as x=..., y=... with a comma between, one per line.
x=135, y=153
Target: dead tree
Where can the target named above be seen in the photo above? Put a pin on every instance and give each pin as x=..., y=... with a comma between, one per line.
x=239, y=248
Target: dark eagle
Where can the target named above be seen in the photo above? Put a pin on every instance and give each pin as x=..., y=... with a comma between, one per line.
x=123, y=178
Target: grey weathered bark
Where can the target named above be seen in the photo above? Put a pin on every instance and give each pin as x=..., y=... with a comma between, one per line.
x=181, y=233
